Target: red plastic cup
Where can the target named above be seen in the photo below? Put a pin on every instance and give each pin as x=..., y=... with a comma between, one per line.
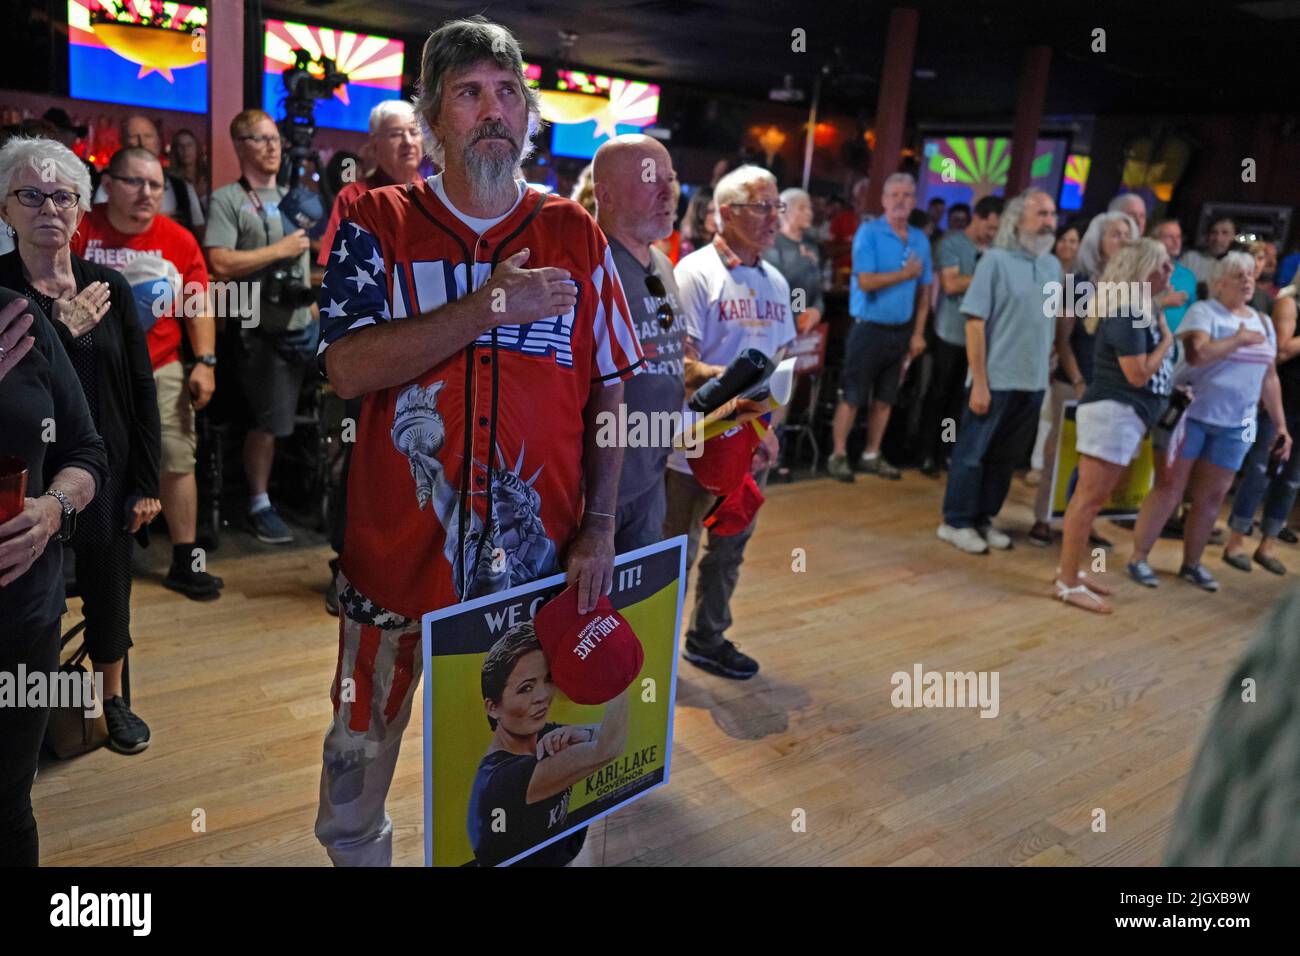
x=13, y=487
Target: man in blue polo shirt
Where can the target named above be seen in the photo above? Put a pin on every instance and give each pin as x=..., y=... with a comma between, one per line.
x=1009, y=333
x=889, y=297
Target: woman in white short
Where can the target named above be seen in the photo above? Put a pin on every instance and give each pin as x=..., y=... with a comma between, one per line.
x=1132, y=373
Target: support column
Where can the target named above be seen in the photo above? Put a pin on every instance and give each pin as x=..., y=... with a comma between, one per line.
x=225, y=40
x=1029, y=117
x=891, y=108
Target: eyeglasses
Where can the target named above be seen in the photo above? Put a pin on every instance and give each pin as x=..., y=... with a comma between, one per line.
x=664, y=314
x=260, y=140
x=765, y=208
x=35, y=199
x=135, y=182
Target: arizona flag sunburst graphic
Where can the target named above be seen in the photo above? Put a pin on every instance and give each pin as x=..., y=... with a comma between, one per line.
x=141, y=52
x=373, y=65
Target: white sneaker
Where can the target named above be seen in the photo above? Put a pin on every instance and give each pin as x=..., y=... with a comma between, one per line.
x=997, y=539
x=963, y=539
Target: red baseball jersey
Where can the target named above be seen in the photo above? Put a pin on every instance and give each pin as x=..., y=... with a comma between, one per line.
x=468, y=480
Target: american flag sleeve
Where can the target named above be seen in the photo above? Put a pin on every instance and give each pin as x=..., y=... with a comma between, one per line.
x=354, y=292
x=617, y=354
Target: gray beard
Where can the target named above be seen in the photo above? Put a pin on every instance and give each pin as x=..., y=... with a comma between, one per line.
x=1037, y=245
x=491, y=176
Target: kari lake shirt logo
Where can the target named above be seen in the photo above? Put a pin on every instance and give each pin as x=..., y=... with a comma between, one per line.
x=751, y=309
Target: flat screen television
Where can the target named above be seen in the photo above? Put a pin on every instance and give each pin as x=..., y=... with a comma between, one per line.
x=968, y=168
x=119, y=53
x=373, y=65
x=586, y=109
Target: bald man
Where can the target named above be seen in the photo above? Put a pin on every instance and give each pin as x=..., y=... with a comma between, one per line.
x=633, y=177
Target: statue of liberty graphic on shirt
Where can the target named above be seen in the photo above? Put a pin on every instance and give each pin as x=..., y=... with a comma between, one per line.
x=507, y=548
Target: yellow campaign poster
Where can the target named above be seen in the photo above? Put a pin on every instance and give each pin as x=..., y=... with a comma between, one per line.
x=1126, y=500
x=498, y=789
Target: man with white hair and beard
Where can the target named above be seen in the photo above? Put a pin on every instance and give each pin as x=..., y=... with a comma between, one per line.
x=485, y=328
x=1009, y=334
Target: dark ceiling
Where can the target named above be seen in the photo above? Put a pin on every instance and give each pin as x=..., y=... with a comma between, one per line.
x=1160, y=57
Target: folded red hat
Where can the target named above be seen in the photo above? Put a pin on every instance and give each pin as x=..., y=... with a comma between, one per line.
x=734, y=511
x=593, y=656
x=724, y=460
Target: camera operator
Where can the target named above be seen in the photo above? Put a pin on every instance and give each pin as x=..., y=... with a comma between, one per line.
x=246, y=240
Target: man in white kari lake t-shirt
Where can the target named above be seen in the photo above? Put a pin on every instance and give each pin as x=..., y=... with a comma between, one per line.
x=731, y=301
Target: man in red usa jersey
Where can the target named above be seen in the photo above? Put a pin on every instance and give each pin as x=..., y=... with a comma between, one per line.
x=484, y=326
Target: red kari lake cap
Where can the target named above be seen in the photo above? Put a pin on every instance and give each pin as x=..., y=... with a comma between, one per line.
x=593, y=656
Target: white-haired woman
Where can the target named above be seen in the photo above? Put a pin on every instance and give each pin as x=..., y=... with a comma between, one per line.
x=797, y=259
x=1075, y=344
x=1229, y=351
x=1132, y=375
x=1267, y=480
x=44, y=192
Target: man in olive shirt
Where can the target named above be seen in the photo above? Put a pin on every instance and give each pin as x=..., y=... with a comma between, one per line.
x=633, y=177
x=246, y=240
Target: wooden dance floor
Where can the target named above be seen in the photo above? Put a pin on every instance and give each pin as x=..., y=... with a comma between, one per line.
x=1094, y=712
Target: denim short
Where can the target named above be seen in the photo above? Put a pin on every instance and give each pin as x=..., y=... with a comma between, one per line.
x=1222, y=445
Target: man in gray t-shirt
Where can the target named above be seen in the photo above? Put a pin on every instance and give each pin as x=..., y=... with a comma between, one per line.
x=633, y=178
x=1010, y=330
x=246, y=240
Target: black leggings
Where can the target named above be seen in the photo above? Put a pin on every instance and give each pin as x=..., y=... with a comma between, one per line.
x=103, y=554
x=21, y=731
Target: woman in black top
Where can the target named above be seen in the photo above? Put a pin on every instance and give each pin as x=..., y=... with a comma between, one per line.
x=520, y=795
x=94, y=314
x=37, y=387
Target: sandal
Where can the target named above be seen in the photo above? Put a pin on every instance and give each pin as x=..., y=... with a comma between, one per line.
x=1081, y=596
x=1093, y=584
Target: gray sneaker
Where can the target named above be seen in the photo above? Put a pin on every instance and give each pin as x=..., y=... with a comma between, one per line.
x=837, y=466
x=269, y=527
x=1141, y=572
x=878, y=466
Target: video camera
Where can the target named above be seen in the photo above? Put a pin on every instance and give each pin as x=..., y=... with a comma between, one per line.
x=302, y=208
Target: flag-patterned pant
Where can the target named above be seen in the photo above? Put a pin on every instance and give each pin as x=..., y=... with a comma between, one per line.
x=375, y=681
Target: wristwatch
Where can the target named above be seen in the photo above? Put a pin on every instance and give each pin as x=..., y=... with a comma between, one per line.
x=68, y=526
x=209, y=360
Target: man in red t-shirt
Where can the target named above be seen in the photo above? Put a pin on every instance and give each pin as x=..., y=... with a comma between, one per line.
x=486, y=329
x=165, y=267
x=397, y=146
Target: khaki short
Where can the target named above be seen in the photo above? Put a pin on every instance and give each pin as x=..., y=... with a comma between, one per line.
x=177, y=414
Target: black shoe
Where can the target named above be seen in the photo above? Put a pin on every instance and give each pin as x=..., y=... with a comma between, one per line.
x=127, y=733
x=930, y=468
x=1287, y=535
x=195, y=585
x=1097, y=541
x=724, y=660
x=1173, y=529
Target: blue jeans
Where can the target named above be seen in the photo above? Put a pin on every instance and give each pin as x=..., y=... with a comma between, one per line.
x=985, y=456
x=1278, y=494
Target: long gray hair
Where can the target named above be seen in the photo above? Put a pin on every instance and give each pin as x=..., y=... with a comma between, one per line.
x=1008, y=236
x=1089, y=256
x=455, y=46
